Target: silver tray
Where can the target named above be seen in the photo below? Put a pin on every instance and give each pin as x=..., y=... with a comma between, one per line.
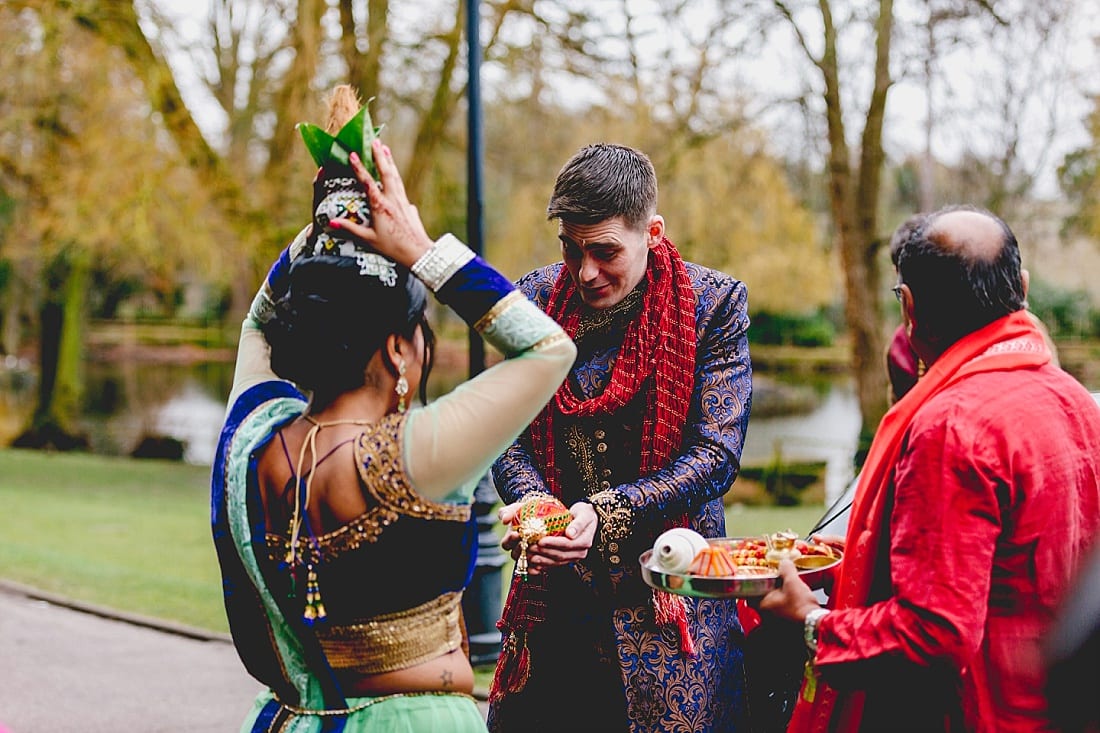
x=718, y=586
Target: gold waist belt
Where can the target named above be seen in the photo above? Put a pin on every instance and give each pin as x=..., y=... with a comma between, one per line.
x=368, y=703
x=395, y=640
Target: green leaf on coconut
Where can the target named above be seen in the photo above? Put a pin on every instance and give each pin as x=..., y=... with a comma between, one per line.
x=355, y=136
x=351, y=134
x=318, y=142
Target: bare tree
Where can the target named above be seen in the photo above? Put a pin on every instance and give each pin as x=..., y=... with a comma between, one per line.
x=1025, y=90
x=854, y=184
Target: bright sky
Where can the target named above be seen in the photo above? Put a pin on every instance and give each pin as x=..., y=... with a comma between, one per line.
x=970, y=87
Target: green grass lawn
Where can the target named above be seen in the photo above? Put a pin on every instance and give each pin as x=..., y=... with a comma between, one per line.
x=746, y=521
x=127, y=534
x=135, y=535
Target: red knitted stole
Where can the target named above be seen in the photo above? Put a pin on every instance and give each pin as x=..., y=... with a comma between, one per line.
x=658, y=343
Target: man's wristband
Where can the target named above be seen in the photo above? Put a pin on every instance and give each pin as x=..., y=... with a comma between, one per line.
x=809, y=629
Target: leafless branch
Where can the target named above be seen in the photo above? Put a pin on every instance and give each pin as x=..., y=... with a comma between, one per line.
x=785, y=11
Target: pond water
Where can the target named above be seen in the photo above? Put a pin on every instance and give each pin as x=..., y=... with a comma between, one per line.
x=129, y=401
x=126, y=402
x=827, y=431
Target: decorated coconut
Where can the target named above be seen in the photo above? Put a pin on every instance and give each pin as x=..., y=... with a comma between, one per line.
x=540, y=515
x=337, y=193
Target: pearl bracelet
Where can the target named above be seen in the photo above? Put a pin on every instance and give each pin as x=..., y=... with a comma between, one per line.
x=446, y=257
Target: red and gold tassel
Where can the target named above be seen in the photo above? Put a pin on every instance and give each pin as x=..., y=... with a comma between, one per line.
x=671, y=609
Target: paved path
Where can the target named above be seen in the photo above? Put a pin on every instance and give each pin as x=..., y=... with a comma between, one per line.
x=67, y=670
x=75, y=667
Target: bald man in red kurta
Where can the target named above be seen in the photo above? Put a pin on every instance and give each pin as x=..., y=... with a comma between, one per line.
x=978, y=501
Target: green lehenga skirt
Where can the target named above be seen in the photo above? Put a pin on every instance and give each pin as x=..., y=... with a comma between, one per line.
x=393, y=713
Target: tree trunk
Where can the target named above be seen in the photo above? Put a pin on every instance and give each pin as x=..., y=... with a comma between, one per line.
x=61, y=359
x=292, y=102
x=69, y=385
x=365, y=66
x=853, y=197
x=434, y=122
x=60, y=380
x=10, y=310
x=863, y=313
x=869, y=338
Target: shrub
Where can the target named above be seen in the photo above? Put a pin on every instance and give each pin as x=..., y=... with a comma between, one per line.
x=1068, y=314
x=815, y=329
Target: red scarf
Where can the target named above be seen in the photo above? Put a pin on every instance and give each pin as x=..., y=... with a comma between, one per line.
x=658, y=343
x=1011, y=342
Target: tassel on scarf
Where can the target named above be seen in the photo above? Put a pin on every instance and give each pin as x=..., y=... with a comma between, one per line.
x=671, y=609
x=514, y=666
x=525, y=607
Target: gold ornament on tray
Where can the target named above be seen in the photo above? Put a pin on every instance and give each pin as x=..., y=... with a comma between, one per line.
x=781, y=546
x=540, y=515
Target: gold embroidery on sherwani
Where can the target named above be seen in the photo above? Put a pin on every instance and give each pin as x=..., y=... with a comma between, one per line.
x=618, y=315
x=580, y=448
x=616, y=521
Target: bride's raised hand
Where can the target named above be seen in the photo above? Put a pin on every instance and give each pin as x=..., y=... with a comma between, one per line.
x=395, y=228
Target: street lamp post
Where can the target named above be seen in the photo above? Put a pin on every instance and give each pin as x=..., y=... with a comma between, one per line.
x=481, y=604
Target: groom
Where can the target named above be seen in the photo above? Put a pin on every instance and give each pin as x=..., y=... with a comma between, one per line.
x=644, y=435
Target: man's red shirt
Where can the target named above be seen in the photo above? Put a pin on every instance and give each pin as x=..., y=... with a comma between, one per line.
x=996, y=501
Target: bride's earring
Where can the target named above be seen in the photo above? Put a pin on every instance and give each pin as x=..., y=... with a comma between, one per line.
x=402, y=387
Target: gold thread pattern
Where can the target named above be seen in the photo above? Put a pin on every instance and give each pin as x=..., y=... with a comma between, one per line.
x=514, y=324
x=616, y=521
x=580, y=448
x=549, y=341
x=386, y=488
x=498, y=309
x=394, y=640
x=602, y=321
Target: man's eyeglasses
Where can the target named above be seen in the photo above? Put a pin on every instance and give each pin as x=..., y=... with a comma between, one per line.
x=897, y=292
